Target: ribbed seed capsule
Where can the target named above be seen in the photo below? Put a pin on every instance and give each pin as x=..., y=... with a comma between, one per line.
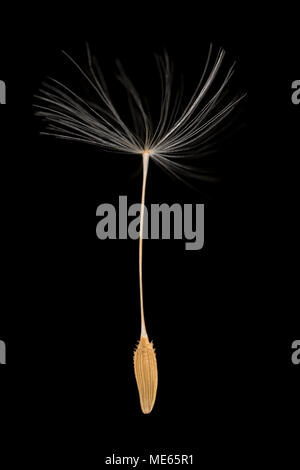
x=145, y=369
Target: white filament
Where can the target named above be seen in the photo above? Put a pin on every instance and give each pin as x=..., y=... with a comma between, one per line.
x=177, y=134
x=145, y=172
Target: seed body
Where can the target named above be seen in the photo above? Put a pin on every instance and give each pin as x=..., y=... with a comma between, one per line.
x=145, y=369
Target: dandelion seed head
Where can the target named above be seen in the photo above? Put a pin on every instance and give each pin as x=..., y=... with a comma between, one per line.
x=182, y=132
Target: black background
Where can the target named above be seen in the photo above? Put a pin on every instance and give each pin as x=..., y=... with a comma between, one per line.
x=222, y=319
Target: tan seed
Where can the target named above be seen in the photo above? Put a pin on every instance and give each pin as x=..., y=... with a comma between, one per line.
x=145, y=369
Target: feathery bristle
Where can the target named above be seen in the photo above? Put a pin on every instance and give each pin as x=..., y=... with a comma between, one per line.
x=181, y=131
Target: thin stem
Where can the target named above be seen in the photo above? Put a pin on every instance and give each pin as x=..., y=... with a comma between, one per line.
x=145, y=172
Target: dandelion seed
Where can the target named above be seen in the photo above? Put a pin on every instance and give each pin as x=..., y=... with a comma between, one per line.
x=180, y=135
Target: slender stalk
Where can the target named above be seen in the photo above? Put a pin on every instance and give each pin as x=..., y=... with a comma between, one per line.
x=145, y=172
x=144, y=359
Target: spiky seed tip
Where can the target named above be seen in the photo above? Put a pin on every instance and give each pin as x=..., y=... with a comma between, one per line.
x=145, y=369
